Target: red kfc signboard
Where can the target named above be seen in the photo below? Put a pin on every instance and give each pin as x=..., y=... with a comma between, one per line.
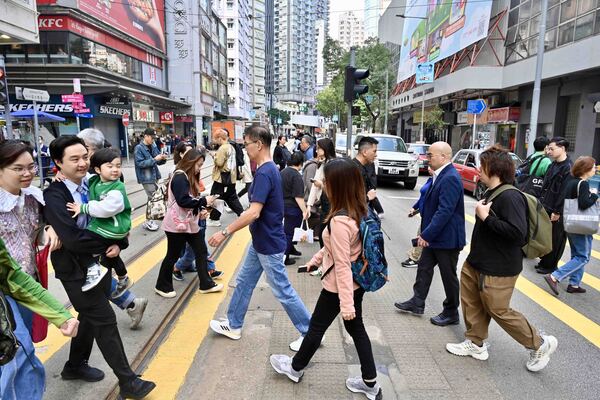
x=166, y=117
x=142, y=19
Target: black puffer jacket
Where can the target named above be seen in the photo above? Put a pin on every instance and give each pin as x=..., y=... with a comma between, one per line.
x=552, y=196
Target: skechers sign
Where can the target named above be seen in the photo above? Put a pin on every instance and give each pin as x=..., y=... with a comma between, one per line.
x=47, y=107
x=114, y=110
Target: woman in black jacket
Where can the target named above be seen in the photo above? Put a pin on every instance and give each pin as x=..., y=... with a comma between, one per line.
x=581, y=245
x=281, y=154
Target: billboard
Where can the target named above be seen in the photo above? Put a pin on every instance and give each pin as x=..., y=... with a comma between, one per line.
x=141, y=19
x=436, y=29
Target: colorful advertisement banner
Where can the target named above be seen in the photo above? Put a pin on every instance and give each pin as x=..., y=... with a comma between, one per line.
x=141, y=19
x=436, y=29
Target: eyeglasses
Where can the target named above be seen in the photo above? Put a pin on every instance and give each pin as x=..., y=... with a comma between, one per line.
x=32, y=169
x=248, y=143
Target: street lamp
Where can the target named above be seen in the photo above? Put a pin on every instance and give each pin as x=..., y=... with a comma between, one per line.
x=426, y=18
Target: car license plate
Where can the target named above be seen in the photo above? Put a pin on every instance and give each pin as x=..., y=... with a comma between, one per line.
x=394, y=171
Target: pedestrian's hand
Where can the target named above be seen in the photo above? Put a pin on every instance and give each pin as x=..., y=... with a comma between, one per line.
x=554, y=217
x=210, y=200
x=348, y=316
x=204, y=214
x=69, y=327
x=52, y=239
x=422, y=242
x=59, y=177
x=306, y=215
x=113, y=251
x=482, y=209
x=216, y=239
x=75, y=208
x=371, y=194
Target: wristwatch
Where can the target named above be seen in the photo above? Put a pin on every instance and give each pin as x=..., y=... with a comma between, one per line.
x=224, y=232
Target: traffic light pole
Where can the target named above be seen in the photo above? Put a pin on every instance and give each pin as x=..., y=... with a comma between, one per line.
x=349, y=147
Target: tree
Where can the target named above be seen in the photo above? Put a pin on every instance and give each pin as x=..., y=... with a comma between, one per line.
x=334, y=56
x=330, y=100
x=275, y=113
x=434, y=118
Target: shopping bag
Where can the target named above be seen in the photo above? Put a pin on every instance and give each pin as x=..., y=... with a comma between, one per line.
x=39, y=329
x=303, y=235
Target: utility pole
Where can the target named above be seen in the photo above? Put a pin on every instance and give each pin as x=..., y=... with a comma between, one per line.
x=349, y=126
x=422, y=133
x=537, y=86
x=387, y=97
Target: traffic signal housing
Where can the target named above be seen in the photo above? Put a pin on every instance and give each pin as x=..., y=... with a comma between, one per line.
x=3, y=87
x=353, y=85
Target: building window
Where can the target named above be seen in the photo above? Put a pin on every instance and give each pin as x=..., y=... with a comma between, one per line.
x=229, y=4
x=229, y=23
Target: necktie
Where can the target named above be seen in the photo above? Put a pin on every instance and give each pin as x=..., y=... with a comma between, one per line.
x=82, y=219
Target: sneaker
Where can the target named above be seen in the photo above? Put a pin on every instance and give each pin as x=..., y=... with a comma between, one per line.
x=408, y=263
x=95, y=273
x=177, y=275
x=136, y=313
x=216, y=274
x=216, y=287
x=295, y=345
x=410, y=307
x=122, y=286
x=150, y=225
x=357, y=385
x=468, y=348
x=166, y=295
x=81, y=372
x=211, y=222
x=136, y=388
x=222, y=327
x=282, y=364
x=538, y=359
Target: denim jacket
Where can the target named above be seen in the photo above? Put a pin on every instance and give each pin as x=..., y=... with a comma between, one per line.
x=146, y=167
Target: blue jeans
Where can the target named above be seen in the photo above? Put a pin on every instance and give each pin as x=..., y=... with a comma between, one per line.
x=254, y=265
x=187, y=260
x=581, y=248
x=123, y=300
x=24, y=376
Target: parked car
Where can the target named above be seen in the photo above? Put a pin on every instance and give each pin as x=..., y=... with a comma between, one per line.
x=420, y=150
x=394, y=162
x=467, y=164
x=340, y=143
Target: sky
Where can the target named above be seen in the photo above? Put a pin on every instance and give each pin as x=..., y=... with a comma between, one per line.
x=337, y=7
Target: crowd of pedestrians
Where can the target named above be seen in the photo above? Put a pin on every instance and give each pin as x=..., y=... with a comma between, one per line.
x=84, y=218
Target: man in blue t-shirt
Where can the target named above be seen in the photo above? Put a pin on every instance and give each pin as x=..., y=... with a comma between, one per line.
x=267, y=251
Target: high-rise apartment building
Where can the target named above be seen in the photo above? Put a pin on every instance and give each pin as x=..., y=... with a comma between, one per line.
x=270, y=52
x=295, y=50
x=373, y=10
x=237, y=14
x=350, y=30
x=257, y=78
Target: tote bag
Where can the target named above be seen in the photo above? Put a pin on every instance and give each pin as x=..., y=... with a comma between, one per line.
x=303, y=235
x=582, y=222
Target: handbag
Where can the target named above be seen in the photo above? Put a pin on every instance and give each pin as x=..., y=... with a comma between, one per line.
x=39, y=328
x=582, y=222
x=303, y=235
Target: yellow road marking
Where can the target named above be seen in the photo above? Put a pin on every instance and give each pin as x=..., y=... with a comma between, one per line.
x=137, y=269
x=174, y=357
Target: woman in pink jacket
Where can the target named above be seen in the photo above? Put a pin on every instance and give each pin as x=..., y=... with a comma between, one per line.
x=345, y=188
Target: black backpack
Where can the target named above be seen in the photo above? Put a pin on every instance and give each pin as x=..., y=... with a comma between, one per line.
x=8, y=341
x=526, y=180
x=239, y=156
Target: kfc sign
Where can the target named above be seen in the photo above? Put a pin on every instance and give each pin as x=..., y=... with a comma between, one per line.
x=166, y=117
x=52, y=23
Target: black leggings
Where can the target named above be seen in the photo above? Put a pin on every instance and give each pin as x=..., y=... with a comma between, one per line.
x=326, y=311
x=244, y=190
x=175, y=245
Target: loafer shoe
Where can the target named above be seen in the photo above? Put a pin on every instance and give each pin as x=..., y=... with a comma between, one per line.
x=410, y=307
x=552, y=283
x=442, y=320
x=82, y=372
x=575, y=289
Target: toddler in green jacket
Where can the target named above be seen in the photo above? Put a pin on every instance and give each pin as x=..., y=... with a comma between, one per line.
x=110, y=212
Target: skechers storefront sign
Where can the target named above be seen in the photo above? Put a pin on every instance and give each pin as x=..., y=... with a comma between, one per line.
x=45, y=107
x=113, y=110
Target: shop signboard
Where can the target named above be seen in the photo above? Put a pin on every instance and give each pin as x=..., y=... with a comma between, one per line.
x=425, y=72
x=462, y=118
x=504, y=114
x=144, y=20
x=152, y=76
x=434, y=30
x=217, y=107
x=143, y=113
x=166, y=117
x=184, y=118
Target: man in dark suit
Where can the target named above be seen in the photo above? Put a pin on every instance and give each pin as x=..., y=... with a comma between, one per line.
x=442, y=236
x=97, y=319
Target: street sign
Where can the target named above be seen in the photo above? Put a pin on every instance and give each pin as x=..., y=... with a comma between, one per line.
x=72, y=98
x=476, y=106
x=36, y=95
x=279, y=121
x=335, y=118
x=425, y=72
x=125, y=119
x=252, y=114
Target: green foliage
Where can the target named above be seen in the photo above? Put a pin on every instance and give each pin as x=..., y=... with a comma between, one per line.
x=275, y=113
x=434, y=118
x=334, y=56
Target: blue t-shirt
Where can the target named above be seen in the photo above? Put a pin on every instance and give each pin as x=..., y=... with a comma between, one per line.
x=267, y=232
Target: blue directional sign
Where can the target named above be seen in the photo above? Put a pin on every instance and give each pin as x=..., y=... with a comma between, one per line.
x=476, y=106
x=425, y=72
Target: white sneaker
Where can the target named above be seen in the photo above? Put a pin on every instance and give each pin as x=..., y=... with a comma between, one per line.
x=150, y=225
x=211, y=222
x=295, y=345
x=357, y=385
x=166, y=295
x=137, y=312
x=216, y=288
x=538, y=359
x=95, y=273
x=283, y=365
x=468, y=348
x=228, y=210
x=222, y=327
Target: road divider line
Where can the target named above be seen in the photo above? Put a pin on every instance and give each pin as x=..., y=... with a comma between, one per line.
x=170, y=365
x=136, y=271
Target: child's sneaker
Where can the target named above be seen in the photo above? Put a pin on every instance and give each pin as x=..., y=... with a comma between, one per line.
x=123, y=284
x=95, y=273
